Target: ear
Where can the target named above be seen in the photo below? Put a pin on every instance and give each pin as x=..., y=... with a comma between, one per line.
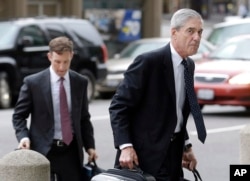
x=72, y=54
x=173, y=32
x=49, y=55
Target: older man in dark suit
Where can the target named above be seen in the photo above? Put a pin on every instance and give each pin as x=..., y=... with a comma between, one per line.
x=150, y=109
x=56, y=100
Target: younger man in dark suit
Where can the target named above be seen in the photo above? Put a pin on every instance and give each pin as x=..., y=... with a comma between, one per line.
x=56, y=100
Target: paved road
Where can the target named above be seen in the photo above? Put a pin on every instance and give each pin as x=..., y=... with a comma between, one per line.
x=221, y=148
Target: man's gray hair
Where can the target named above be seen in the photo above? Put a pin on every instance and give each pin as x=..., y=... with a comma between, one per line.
x=180, y=17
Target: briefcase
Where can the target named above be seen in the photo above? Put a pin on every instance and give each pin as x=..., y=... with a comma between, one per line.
x=116, y=174
x=90, y=170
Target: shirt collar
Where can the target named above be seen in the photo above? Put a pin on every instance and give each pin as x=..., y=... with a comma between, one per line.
x=176, y=58
x=55, y=77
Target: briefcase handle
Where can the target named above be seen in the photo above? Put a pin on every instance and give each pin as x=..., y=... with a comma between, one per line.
x=196, y=175
x=136, y=168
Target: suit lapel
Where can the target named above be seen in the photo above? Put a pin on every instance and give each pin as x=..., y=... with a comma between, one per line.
x=46, y=88
x=74, y=93
x=191, y=65
x=169, y=73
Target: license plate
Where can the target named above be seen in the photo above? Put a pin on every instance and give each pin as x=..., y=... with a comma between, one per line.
x=205, y=94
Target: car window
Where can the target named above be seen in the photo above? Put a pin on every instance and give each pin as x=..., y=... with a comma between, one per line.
x=34, y=34
x=86, y=33
x=55, y=30
x=8, y=33
x=220, y=35
x=233, y=50
x=203, y=49
x=135, y=49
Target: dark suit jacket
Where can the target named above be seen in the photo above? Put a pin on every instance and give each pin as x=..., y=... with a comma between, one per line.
x=35, y=99
x=143, y=110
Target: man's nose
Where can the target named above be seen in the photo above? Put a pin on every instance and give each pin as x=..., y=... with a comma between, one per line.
x=62, y=67
x=197, y=36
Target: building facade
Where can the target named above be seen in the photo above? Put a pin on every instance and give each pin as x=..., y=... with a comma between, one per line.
x=26, y=8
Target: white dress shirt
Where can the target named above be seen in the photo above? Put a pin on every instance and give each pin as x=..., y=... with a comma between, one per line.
x=55, y=85
x=179, y=86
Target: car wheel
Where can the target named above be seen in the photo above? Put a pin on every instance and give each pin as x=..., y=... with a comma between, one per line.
x=91, y=83
x=5, y=92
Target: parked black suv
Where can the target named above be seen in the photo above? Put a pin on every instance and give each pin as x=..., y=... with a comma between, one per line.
x=24, y=46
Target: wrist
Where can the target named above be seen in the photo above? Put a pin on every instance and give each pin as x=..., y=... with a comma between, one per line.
x=187, y=147
x=121, y=147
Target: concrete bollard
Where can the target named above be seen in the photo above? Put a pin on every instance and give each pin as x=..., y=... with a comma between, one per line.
x=24, y=165
x=245, y=145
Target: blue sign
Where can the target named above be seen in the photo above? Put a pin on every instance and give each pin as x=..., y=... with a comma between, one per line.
x=131, y=26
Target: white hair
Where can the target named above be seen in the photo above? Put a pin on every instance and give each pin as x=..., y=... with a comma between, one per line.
x=181, y=16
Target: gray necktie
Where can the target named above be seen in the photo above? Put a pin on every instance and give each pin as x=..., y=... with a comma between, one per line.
x=192, y=99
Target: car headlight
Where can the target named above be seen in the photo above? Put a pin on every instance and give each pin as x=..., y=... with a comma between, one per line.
x=243, y=78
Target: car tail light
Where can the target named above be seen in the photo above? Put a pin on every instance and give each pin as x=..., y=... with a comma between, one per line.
x=105, y=53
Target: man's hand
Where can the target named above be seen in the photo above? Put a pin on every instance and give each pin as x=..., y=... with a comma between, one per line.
x=128, y=158
x=188, y=160
x=92, y=154
x=24, y=144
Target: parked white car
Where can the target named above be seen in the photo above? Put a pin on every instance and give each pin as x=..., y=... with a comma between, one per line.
x=221, y=32
x=119, y=64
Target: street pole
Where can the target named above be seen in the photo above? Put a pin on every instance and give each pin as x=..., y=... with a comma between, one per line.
x=151, y=18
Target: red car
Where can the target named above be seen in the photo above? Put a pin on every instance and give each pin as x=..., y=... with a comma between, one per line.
x=224, y=79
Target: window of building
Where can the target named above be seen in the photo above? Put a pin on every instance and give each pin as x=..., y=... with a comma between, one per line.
x=44, y=8
x=113, y=4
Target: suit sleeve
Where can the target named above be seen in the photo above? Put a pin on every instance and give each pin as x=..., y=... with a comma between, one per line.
x=127, y=96
x=22, y=111
x=86, y=125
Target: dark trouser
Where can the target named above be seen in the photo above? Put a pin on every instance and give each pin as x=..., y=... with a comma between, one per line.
x=64, y=162
x=171, y=169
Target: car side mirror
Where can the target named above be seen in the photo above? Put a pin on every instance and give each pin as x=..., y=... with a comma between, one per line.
x=26, y=41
